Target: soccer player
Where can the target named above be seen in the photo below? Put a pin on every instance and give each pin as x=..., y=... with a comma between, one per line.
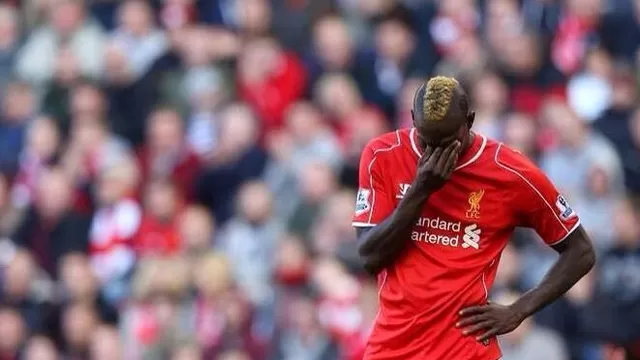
x=436, y=206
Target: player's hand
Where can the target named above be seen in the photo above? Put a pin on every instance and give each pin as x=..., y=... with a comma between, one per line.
x=436, y=166
x=487, y=321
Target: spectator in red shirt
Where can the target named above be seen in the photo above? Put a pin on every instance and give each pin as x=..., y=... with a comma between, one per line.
x=269, y=80
x=158, y=233
x=166, y=154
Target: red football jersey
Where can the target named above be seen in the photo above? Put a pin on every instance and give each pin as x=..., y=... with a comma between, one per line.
x=455, y=244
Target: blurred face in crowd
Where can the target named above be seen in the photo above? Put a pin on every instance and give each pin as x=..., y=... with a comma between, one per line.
x=598, y=182
x=513, y=48
x=255, y=202
x=565, y=124
x=520, y=133
x=585, y=8
x=106, y=344
x=212, y=275
x=4, y=192
x=161, y=200
x=258, y=60
x=371, y=8
x=338, y=95
x=634, y=128
x=87, y=104
x=317, y=182
x=394, y=41
x=626, y=225
x=12, y=331
x=117, y=182
x=304, y=316
x=78, y=277
x=43, y=138
x=234, y=355
x=333, y=43
x=67, y=68
x=40, y=348
x=53, y=194
x=490, y=94
x=18, y=102
x=194, y=48
x=19, y=276
x=187, y=353
x=598, y=62
x=291, y=260
x=238, y=129
x=78, y=323
x=116, y=65
x=254, y=16
x=66, y=16
x=304, y=122
x=165, y=132
x=196, y=229
x=625, y=93
x=135, y=17
x=8, y=27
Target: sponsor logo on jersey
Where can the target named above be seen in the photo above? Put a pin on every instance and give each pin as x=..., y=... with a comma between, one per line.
x=363, y=204
x=437, y=231
x=474, y=204
x=471, y=237
x=403, y=190
x=566, y=212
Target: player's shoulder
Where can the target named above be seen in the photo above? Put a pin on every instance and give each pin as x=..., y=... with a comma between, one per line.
x=387, y=142
x=513, y=164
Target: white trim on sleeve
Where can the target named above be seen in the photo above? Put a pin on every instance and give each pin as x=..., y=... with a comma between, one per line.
x=569, y=232
x=362, y=224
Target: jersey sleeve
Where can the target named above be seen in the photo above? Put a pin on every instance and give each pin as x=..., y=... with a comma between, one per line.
x=538, y=204
x=373, y=201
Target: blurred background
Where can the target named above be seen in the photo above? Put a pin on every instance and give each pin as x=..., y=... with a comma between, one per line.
x=177, y=177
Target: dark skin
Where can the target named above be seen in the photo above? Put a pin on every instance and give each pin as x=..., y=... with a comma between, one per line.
x=381, y=245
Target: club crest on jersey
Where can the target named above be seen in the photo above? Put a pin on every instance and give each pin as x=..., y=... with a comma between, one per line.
x=474, y=204
x=362, y=201
x=403, y=188
x=566, y=212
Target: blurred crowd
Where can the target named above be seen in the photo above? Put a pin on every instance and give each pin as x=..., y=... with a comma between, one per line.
x=177, y=176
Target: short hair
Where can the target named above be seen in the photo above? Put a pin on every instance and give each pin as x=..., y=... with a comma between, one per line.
x=435, y=98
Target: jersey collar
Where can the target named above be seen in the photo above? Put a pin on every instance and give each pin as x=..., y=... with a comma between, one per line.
x=471, y=155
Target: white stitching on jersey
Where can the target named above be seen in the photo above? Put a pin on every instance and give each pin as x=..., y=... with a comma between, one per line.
x=375, y=156
x=531, y=185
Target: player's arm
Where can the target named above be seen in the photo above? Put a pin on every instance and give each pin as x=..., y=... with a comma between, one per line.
x=542, y=208
x=382, y=243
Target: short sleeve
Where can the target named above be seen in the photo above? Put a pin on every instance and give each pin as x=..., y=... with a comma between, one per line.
x=373, y=201
x=538, y=204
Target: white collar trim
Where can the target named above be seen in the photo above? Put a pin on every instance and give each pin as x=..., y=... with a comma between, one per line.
x=475, y=157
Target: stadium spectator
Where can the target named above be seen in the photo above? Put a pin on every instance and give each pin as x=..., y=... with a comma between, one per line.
x=10, y=25
x=18, y=106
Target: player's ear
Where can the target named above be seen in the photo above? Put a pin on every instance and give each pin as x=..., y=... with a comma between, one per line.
x=471, y=117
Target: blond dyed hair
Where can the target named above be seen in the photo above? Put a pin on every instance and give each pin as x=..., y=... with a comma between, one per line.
x=437, y=98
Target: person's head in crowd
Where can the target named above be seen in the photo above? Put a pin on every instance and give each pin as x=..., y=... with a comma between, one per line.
x=255, y=202
x=161, y=199
x=338, y=95
x=625, y=91
x=43, y=138
x=135, y=18
x=40, y=348
x=332, y=43
x=187, y=352
x=466, y=58
x=87, y=103
x=116, y=66
x=332, y=229
x=519, y=132
x=212, y=275
x=317, y=182
x=197, y=229
x=404, y=101
x=371, y=9
x=205, y=90
x=77, y=278
x=565, y=124
x=303, y=317
x=254, y=17
x=626, y=225
x=634, y=128
x=79, y=321
x=394, y=37
x=598, y=62
x=18, y=103
x=13, y=332
x=66, y=16
x=509, y=54
x=53, y=194
x=117, y=181
x=304, y=122
x=18, y=277
x=164, y=283
x=106, y=344
x=238, y=130
x=587, y=10
x=259, y=60
x=598, y=181
x=489, y=94
x=165, y=131
x=234, y=354
x=67, y=67
x=4, y=192
x=292, y=261
x=194, y=48
x=9, y=27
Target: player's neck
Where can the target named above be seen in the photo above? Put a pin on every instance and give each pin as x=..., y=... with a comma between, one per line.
x=469, y=143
